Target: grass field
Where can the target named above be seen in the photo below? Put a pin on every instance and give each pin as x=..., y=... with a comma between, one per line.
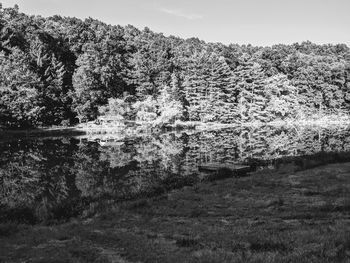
x=270, y=216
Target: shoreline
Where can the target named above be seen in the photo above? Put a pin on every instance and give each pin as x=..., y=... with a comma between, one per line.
x=40, y=132
x=197, y=126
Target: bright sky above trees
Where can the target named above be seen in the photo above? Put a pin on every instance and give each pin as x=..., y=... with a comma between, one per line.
x=258, y=22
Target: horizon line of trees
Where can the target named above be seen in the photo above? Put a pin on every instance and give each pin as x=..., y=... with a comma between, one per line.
x=61, y=70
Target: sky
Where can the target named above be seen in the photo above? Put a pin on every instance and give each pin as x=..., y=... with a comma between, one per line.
x=256, y=22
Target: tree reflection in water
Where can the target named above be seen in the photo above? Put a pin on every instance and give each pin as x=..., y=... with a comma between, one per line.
x=53, y=179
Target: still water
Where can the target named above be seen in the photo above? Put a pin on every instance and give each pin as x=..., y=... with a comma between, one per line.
x=51, y=179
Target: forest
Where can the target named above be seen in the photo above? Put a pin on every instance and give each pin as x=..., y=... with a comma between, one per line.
x=64, y=70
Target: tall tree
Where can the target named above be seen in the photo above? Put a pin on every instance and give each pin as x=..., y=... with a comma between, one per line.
x=20, y=104
x=249, y=89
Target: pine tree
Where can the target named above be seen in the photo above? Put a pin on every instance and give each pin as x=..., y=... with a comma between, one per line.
x=196, y=85
x=208, y=88
x=249, y=87
x=151, y=63
x=221, y=90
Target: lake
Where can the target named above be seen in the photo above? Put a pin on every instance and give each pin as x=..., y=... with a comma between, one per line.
x=53, y=179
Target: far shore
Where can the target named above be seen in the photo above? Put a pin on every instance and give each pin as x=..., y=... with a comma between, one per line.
x=86, y=128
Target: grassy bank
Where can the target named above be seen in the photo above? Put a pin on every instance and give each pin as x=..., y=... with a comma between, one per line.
x=270, y=216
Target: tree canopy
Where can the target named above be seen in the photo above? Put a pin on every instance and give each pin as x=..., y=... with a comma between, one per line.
x=59, y=70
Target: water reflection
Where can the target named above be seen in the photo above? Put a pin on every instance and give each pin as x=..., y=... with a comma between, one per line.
x=53, y=179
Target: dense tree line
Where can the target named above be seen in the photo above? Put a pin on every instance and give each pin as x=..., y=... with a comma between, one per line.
x=61, y=70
